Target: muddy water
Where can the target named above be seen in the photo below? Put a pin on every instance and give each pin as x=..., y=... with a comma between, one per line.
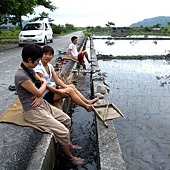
x=83, y=133
x=141, y=90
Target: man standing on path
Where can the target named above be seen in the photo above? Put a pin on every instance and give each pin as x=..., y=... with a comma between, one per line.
x=75, y=54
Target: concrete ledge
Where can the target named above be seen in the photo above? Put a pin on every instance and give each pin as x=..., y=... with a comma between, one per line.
x=44, y=155
x=17, y=145
x=110, y=155
x=109, y=152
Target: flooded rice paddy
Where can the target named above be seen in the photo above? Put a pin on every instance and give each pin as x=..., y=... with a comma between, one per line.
x=141, y=90
x=132, y=47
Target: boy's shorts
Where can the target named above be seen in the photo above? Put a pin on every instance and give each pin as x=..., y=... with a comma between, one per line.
x=80, y=58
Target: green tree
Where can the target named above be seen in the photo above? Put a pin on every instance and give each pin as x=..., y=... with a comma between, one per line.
x=24, y=8
x=90, y=28
x=157, y=26
x=13, y=10
x=98, y=29
x=164, y=30
x=43, y=14
x=168, y=27
x=47, y=4
x=69, y=27
x=61, y=29
x=57, y=29
x=110, y=25
x=6, y=6
x=147, y=29
x=168, y=24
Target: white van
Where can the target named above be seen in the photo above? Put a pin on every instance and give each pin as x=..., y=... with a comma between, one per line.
x=36, y=32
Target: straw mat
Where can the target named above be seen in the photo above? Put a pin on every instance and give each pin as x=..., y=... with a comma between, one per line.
x=14, y=115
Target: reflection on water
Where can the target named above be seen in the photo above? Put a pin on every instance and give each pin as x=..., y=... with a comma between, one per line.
x=109, y=43
x=132, y=47
x=164, y=80
x=135, y=89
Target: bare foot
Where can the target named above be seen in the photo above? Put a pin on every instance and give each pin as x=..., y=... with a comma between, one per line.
x=96, y=104
x=93, y=100
x=89, y=108
x=75, y=146
x=84, y=66
x=76, y=161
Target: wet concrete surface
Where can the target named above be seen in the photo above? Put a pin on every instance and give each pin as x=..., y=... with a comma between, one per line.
x=83, y=132
x=137, y=91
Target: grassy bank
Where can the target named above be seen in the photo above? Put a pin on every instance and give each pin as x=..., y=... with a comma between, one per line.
x=8, y=39
x=133, y=57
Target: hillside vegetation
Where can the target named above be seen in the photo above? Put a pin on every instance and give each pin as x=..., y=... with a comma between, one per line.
x=162, y=20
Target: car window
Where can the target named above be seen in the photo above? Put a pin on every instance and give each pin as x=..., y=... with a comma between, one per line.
x=34, y=26
x=46, y=26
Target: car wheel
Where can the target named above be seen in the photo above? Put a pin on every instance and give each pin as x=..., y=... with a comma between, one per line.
x=45, y=41
x=20, y=45
x=51, y=41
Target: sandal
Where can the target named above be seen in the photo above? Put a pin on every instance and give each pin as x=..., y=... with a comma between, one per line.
x=12, y=88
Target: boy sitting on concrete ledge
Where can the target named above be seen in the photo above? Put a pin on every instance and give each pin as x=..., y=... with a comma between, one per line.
x=75, y=54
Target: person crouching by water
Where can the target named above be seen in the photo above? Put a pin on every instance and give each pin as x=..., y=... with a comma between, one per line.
x=38, y=111
x=45, y=70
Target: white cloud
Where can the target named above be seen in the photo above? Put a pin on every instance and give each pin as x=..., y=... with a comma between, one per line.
x=95, y=12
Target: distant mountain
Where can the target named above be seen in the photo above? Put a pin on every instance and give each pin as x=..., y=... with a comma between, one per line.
x=152, y=21
x=24, y=22
x=8, y=25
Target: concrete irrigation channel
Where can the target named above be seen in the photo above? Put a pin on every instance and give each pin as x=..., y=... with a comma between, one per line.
x=27, y=148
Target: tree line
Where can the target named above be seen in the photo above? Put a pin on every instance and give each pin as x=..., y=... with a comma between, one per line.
x=12, y=11
x=111, y=29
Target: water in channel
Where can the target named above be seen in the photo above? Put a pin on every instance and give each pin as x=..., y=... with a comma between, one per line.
x=83, y=132
x=141, y=90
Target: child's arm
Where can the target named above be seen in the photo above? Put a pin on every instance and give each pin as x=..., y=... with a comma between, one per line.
x=58, y=81
x=68, y=52
x=37, y=77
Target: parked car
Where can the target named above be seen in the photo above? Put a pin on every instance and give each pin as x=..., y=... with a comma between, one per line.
x=39, y=32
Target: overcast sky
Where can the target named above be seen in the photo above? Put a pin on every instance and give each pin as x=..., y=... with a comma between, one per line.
x=99, y=12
